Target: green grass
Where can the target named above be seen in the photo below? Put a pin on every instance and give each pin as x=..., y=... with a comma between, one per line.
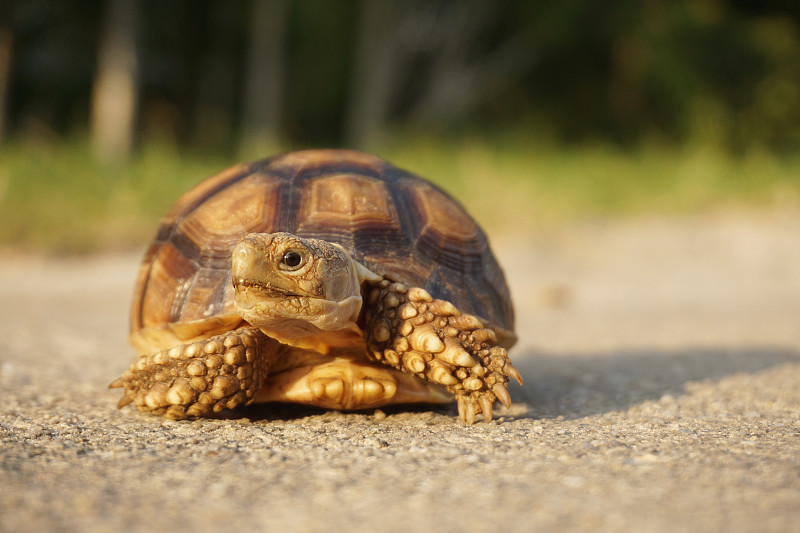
x=537, y=186
x=57, y=199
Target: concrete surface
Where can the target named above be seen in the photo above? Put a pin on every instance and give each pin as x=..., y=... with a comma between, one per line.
x=662, y=393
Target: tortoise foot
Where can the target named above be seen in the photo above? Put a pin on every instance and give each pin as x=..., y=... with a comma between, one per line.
x=196, y=379
x=410, y=330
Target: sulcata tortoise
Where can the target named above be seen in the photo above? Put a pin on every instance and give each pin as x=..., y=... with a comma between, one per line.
x=322, y=277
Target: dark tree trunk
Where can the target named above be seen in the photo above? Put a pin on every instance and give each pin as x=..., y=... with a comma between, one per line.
x=114, y=93
x=373, y=80
x=264, y=78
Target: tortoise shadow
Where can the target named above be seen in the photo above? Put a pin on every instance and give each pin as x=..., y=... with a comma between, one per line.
x=579, y=385
x=286, y=412
x=573, y=386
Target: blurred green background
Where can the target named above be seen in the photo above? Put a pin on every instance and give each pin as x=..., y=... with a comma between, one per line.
x=534, y=114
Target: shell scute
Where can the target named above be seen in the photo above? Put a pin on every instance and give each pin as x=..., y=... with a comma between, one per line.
x=249, y=205
x=170, y=273
x=352, y=210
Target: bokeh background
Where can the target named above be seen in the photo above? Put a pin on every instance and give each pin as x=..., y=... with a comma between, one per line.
x=635, y=164
x=534, y=114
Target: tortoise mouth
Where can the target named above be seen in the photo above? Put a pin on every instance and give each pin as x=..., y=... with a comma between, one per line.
x=261, y=286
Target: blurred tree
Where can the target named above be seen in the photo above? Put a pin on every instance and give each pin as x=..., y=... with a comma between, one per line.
x=375, y=73
x=319, y=60
x=264, y=77
x=465, y=64
x=313, y=72
x=114, y=93
x=6, y=49
x=217, y=78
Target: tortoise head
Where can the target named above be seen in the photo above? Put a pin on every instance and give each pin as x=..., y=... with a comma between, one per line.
x=291, y=287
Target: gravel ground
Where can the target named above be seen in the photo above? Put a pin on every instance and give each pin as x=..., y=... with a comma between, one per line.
x=661, y=361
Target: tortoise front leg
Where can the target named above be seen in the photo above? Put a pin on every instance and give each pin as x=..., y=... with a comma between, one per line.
x=409, y=330
x=196, y=379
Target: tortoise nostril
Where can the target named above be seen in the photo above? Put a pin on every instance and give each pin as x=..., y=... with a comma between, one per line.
x=241, y=252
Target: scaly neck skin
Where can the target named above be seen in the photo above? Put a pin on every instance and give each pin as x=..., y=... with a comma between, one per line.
x=302, y=292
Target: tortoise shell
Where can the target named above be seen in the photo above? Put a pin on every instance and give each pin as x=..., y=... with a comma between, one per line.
x=395, y=223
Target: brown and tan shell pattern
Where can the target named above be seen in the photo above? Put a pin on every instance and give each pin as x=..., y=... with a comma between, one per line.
x=393, y=222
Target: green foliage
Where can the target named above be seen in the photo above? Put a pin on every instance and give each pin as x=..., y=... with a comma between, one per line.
x=678, y=71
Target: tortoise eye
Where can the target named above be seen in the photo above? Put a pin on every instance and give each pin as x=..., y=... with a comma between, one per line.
x=292, y=259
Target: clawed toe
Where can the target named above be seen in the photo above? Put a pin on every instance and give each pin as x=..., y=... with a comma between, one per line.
x=410, y=330
x=482, y=402
x=196, y=379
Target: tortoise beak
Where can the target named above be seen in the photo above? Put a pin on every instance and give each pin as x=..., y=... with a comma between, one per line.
x=252, y=268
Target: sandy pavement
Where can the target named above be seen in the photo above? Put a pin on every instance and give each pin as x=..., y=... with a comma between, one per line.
x=662, y=393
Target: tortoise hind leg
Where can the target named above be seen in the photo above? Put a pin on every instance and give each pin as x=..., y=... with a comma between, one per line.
x=196, y=379
x=409, y=330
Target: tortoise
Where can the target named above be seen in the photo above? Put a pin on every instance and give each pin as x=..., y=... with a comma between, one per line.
x=322, y=277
